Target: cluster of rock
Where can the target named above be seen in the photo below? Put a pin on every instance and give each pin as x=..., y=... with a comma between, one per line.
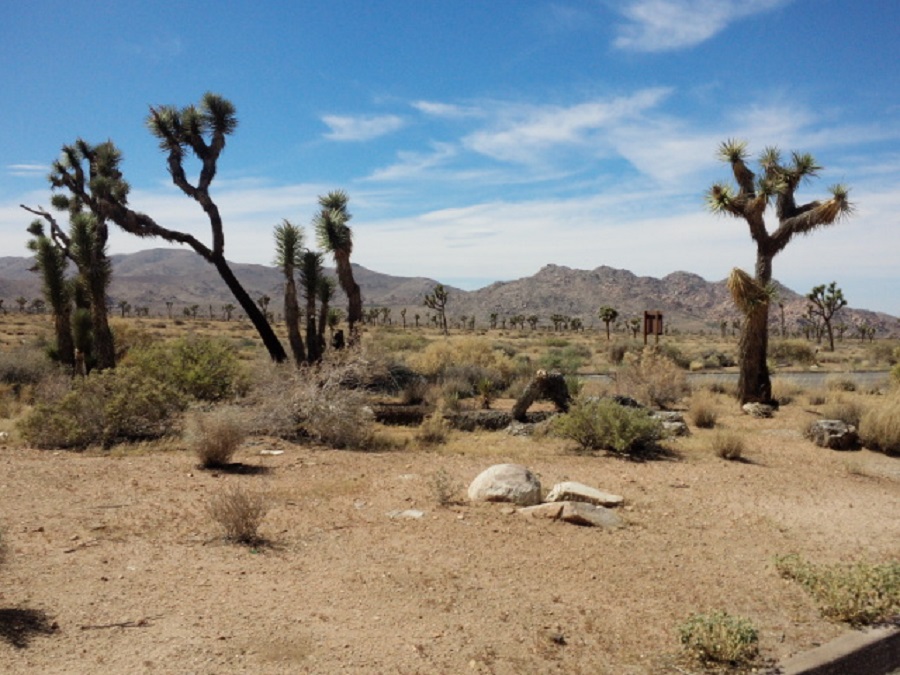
x=569, y=501
x=833, y=434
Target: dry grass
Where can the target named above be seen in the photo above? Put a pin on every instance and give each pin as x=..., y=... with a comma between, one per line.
x=703, y=411
x=215, y=436
x=720, y=638
x=879, y=426
x=239, y=512
x=728, y=445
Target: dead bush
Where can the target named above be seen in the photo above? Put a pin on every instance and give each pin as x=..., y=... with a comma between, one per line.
x=703, y=412
x=847, y=410
x=651, y=378
x=728, y=445
x=239, y=513
x=215, y=437
x=433, y=430
x=326, y=402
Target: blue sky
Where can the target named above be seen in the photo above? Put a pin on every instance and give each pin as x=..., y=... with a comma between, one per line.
x=478, y=140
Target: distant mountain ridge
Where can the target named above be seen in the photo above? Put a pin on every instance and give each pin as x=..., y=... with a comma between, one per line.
x=155, y=277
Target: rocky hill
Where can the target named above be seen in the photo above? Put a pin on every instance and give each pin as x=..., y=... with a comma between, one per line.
x=155, y=277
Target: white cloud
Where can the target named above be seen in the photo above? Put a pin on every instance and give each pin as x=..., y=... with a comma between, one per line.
x=411, y=165
x=664, y=25
x=446, y=110
x=346, y=128
x=27, y=170
x=525, y=134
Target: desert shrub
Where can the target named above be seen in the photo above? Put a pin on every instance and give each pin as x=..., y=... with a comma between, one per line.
x=895, y=375
x=433, y=430
x=784, y=391
x=674, y=354
x=847, y=410
x=206, y=369
x=443, y=487
x=414, y=391
x=651, y=378
x=816, y=397
x=883, y=352
x=324, y=402
x=123, y=404
x=554, y=341
x=566, y=360
x=792, y=351
x=720, y=638
x=616, y=352
x=703, y=412
x=239, y=513
x=714, y=359
x=859, y=593
x=23, y=366
x=215, y=436
x=440, y=356
x=879, y=426
x=728, y=445
x=838, y=383
x=394, y=341
x=603, y=424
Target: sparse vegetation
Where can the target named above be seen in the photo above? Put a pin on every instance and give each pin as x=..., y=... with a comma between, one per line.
x=215, y=436
x=703, y=412
x=239, y=512
x=720, y=638
x=858, y=593
x=444, y=487
x=651, y=378
x=433, y=430
x=728, y=445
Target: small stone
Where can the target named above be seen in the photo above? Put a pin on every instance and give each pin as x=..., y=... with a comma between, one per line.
x=760, y=410
x=579, y=492
x=833, y=434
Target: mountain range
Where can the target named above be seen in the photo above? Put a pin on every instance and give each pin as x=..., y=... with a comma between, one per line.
x=164, y=279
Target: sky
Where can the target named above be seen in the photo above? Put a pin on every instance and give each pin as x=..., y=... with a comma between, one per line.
x=478, y=141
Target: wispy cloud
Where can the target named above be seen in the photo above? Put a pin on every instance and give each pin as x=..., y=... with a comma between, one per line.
x=348, y=128
x=415, y=164
x=525, y=134
x=665, y=25
x=27, y=170
x=447, y=110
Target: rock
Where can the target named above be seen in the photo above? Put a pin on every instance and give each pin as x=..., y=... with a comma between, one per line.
x=520, y=429
x=672, y=422
x=580, y=513
x=760, y=410
x=414, y=514
x=833, y=434
x=577, y=513
x=579, y=492
x=506, y=483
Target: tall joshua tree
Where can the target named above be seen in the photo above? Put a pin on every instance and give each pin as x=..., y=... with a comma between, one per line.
x=437, y=300
x=325, y=294
x=50, y=261
x=91, y=175
x=311, y=276
x=777, y=182
x=85, y=245
x=335, y=236
x=288, y=255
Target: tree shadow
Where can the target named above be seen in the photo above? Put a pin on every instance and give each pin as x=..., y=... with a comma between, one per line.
x=19, y=625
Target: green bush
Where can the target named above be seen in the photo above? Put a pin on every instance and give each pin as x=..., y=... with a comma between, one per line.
x=603, y=424
x=567, y=360
x=859, y=594
x=205, y=369
x=122, y=404
x=720, y=638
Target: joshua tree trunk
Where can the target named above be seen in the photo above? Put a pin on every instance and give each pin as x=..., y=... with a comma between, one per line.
x=292, y=319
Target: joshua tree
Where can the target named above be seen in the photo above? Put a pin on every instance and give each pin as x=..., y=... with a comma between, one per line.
x=91, y=175
x=493, y=318
x=288, y=254
x=50, y=261
x=169, y=305
x=825, y=302
x=778, y=182
x=22, y=302
x=533, y=320
x=634, y=325
x=437, y=300
x=325, y=294
x=607, y=315
x=335, y=236
x=227, y=310
x=311, y=275
x=403, y=317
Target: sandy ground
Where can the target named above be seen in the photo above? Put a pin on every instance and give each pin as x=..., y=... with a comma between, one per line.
x=121, y=556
